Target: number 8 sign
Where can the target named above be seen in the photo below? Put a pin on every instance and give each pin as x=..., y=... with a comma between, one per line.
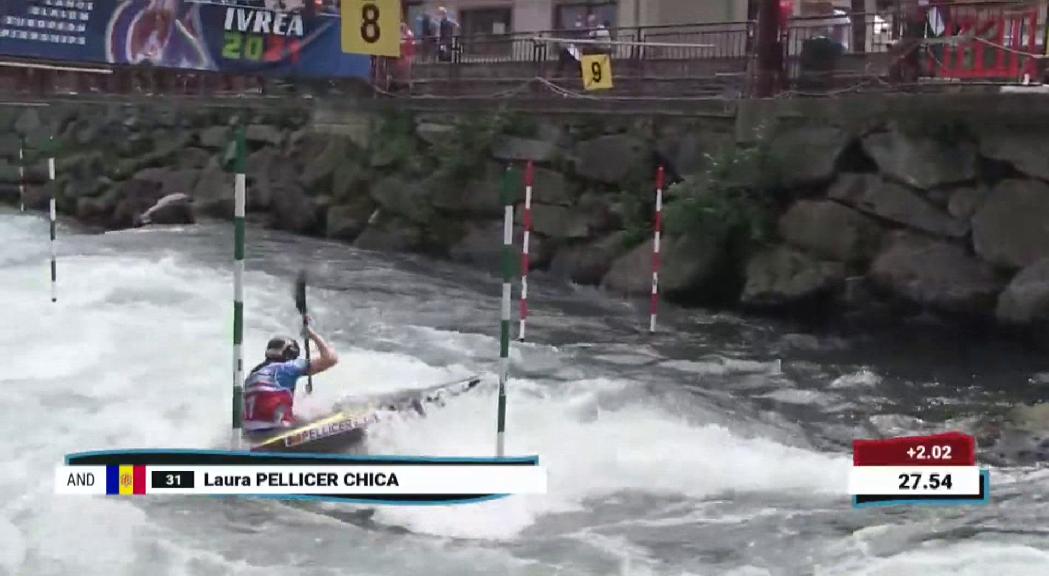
x=371, y=27
x=597, y=72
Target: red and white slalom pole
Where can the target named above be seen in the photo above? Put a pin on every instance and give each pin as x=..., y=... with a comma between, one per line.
x=528, y=179
x=655, y=250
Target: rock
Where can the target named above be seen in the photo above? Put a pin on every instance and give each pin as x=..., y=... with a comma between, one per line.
x=588, y=263
x=38, y=197
x=317, y=172
x=936, y=275
x=171, y=209
x=389, y=234
x=135, y=197
x=213, y=194
x=9, y=193
x=347, y=221
x=691, y=266
x=512, y=148
x=782, y=276
x=86, y=132
x=920, y=162
x=688, y=153
x=874, y=195
x=550, y=187
x=9, y=146
x=631, y=273
x=1022, y=148
x=170, y=181
x=400, y=198
x=28, y=122
x=192, y=158
x=612, y=158
x=263, y=134
x=260, y=163
x=97, y=211
x=152, y=175
x=600, y=214
x=9, y=173
x=348, y=182
x=857, y=292
x=216, y=137
x=261, y=189
x=1011, y=228
x=480, y=197
x=830, y=231
x=1026, y=299
x=806, y=156
x=432, y=133
x=292, y=210
x=483, y=245
x=964, y=202
x=939, y=197
x=556, y=221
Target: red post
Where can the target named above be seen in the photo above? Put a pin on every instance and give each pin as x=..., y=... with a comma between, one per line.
x=656, y=250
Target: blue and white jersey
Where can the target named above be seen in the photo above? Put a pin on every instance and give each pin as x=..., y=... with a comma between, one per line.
x=276, y=377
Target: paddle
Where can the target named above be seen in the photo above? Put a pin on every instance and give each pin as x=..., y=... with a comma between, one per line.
x=300, y=303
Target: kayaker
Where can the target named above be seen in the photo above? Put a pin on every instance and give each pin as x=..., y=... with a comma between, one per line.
x=269, y=390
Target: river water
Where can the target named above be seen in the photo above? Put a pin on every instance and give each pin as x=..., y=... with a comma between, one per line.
x=719, y=446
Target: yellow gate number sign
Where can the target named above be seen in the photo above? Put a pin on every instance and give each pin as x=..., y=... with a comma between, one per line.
x=371, y=27
x=597, y=72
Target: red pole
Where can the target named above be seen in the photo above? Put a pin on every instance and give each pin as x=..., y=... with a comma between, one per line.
x=655, y=250
x=529, y=176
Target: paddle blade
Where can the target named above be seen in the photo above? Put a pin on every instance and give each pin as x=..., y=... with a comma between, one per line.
x=300, y=292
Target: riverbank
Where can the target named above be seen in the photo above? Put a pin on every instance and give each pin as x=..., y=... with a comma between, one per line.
x=828, y=209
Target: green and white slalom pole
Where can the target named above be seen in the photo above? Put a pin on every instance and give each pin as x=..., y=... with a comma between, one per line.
x=504, y=330
x=238, y=289
x=51, y=176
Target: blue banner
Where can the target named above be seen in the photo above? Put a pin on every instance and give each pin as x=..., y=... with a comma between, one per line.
x=245, y=38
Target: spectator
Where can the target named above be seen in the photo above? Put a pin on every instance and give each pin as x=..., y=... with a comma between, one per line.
x=604, y=36
x=569, y=55
x=447, y=28
x=425, y=34
x=402, y=73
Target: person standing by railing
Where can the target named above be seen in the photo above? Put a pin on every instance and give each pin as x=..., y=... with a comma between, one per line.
x=569, y=54
x=447, y=28
x=426, y=34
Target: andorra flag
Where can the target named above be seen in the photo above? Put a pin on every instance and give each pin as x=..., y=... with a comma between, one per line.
x=125, y=480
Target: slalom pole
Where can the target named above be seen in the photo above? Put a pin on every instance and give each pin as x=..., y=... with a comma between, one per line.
x=21, y=173
x=504, y=329
x=238, y=289
x=655, y=250
x=51, y=176
x=529, y=176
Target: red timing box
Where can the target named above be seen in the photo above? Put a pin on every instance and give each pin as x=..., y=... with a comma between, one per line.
x=950, y=449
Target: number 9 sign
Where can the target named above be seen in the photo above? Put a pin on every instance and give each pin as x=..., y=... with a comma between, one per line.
x=371, y=27
x=597, y=72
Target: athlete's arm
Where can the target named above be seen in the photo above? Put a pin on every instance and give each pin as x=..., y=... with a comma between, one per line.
x=327, y=357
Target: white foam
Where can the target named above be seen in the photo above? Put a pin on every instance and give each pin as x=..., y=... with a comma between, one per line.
x=862, y=378
x=637, y=446
x=938, y=558
x=12, y=553
x=137, y=353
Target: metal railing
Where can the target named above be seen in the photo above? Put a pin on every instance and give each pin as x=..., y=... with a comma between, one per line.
x=960, y=42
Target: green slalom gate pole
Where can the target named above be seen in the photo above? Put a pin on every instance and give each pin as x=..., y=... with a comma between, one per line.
x=238, y=290
x=504, y=325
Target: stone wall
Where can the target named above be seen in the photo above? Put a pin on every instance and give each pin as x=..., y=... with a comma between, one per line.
x=905, y=205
